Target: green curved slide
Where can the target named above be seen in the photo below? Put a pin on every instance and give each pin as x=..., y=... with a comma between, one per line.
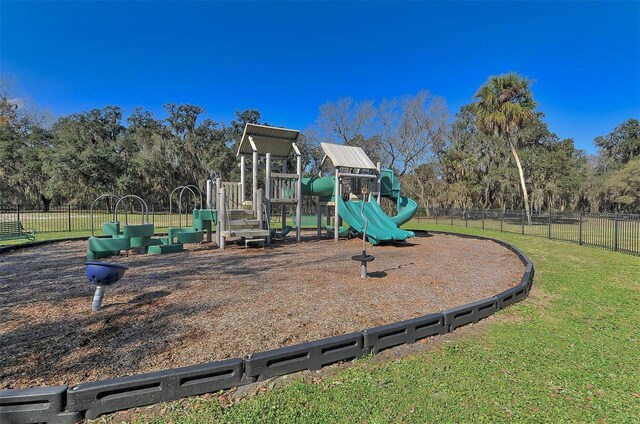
x=380, y=227
x=407, y=208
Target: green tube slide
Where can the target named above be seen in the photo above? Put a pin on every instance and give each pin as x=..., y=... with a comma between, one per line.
x=322, y=186
x=407, y=208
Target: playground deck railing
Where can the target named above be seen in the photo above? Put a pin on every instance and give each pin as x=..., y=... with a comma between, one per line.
x=619, y=232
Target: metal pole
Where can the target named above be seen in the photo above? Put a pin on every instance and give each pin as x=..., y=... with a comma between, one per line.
x=336, y=221
x=483, y=218
x=69, y=216
x=318, y=217
x=97, y=299
x=18, y=210
x=243, y=165
x=549, y=212
x=466, y=219
x=615, y=232
x=209, y=194
x=501, y=219
x=522, y=221
x=379, y=168
x=580, y=227
x=436, y=216
x=299, y=197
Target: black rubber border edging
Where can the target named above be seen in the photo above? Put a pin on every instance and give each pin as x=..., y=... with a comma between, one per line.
x=62, y=404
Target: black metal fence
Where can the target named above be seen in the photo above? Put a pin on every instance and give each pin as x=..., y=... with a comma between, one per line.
x=612, y=231
x=68, y=218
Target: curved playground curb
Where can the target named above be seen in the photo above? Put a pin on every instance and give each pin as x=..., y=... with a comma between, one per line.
x=14, y=247
x=62, y=404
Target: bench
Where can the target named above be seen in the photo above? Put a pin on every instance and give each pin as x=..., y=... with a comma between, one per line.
x=13, y=230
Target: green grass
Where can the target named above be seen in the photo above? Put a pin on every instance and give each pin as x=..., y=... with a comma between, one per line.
x=569, y=353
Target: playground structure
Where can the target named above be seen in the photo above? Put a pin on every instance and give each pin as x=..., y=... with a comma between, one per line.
x=140, y=236
x=249, y=219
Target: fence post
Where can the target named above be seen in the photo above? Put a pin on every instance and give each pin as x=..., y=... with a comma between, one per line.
x=153, y=215
x=580, y=227
x=436, y=216
x=18, y=209
x=466, y=219
x=615, y=232
x=69, y=215
x=451, y=215
x=501, y=219
x=549, y=230
x=522, y=221
x=483, y=218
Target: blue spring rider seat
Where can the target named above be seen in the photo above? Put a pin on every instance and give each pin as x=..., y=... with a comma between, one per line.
x=102, y=274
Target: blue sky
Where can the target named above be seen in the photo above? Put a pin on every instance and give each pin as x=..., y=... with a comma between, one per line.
x=286, y=59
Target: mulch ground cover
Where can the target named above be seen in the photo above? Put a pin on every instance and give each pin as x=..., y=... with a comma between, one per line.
x=205, y=304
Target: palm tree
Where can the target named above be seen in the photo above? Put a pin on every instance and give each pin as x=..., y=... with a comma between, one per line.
x=504, y=105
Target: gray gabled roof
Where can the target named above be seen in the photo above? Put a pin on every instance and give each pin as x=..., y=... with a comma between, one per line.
x=277, y=141
x=347, y=156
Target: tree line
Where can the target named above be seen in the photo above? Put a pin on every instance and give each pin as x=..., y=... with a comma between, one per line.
x=495, y=152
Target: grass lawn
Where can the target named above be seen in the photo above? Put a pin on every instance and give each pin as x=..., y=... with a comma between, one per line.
x=569, y=353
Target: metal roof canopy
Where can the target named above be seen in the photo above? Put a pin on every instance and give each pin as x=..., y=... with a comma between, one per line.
x=347, y=156
x=277, y=141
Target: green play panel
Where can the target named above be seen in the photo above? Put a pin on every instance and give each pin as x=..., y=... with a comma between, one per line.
x=165, y=248
x=190, y=236
x=108, y=244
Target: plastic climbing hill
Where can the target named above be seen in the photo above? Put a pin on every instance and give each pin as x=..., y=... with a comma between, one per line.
x=141, y=237
x=131, y=237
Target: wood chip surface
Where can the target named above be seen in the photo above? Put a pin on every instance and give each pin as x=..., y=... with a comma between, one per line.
x=206, y=304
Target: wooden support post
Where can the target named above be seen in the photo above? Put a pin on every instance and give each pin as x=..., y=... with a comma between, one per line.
x=281, y=195
x=299, y=197
x=260, y=214
x=219, y=202
x=255, y=179
x=336, y=220
x=222, y=216
x=243, y=165
x=267, y=201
